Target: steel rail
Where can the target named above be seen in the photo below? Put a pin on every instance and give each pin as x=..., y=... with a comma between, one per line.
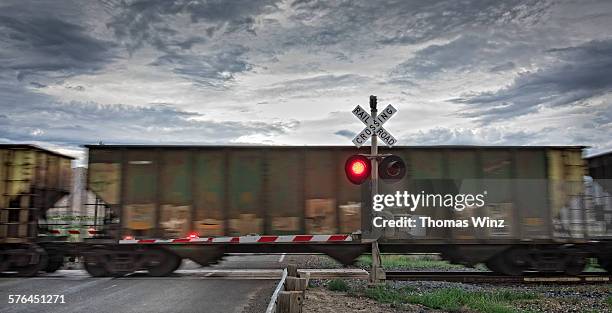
x=490, y=277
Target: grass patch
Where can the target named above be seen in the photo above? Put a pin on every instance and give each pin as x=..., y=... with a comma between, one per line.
x=453, y=299
x=338, y=285
x=409, y=262
x=388, y=295
x=609, y=301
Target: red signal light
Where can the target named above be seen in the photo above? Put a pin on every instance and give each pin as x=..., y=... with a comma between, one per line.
x=357, y=168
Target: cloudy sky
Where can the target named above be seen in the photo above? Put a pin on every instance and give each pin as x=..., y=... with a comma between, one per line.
x=289, y=72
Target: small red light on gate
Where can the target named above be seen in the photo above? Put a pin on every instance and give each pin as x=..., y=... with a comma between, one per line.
x=193, y=235
x=128, y=238
x=357, y=168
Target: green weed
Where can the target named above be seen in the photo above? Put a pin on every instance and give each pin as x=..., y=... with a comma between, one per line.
x=452, y=299
x=338, y=285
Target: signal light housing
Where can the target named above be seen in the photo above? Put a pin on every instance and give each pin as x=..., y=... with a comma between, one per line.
x=392, y=168
x=357, y=168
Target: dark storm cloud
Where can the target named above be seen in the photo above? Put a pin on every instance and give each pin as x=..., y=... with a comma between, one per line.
x=581, y=72
x=469, y=52
x=137, y=22
x=150, y=22
x=212, y=69
x=403, y=22
x=34, y=43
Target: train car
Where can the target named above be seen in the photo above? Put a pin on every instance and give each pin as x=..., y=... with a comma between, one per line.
x=173, y=202
x=32, y=179
x=538, y=193
x=599, y=201
x=199, y=202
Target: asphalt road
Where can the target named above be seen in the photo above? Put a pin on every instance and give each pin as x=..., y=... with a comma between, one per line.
x=185, y=292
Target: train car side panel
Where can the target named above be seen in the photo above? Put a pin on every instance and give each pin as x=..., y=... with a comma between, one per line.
x=140, y=209
x=246, y=183
x=210, y=180
x=285, y=191
x=174, y=193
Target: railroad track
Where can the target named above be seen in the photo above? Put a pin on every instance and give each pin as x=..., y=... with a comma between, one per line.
x=490, y=277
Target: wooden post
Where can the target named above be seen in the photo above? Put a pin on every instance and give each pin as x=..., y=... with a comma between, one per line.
x=290, y=302
x=292, y=270
x=377, y=273
x=296, y=284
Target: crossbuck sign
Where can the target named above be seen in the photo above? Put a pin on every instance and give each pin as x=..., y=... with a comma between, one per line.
x=374, y=125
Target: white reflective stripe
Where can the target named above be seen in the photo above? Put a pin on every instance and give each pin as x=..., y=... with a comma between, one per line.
x=200, y=239
x=163, y=240
x=285, y=238
x=222, y=239
x=249, y=239
x=128, y=241
x=320, y=238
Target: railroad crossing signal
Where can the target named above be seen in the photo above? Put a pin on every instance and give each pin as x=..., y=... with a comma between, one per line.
x=359, y=167
x=374, y=126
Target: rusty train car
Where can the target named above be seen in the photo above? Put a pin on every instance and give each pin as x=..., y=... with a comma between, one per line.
x=162, y=193
x=599, y=200
x=32, y=180
x=163, y=204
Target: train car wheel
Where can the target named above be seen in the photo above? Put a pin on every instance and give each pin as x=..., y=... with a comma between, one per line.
x=492, y=266
x=508, y=262
x=605, y=263
x=178, y=264
x=31, y=270
x=94, y=264
x=95, y=270
x=574, y=265
x=162, y=263
x=122, y=262
x=3, y=262
x=54, y=264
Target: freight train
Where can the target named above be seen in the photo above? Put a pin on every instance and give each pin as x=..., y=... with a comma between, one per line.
x=162, y=204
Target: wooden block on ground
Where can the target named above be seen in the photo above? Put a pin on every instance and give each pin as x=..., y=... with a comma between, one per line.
x=305, y=275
